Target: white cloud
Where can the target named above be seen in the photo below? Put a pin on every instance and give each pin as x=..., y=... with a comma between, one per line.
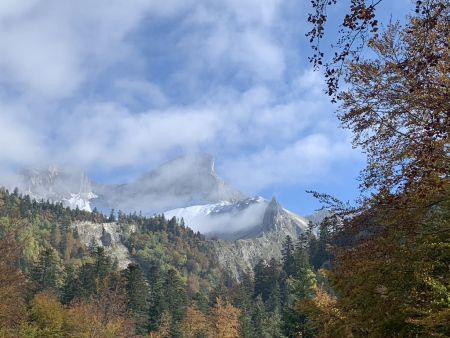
x=19, y=143
x=113, y=84
x=305, y=161
x=109, y=135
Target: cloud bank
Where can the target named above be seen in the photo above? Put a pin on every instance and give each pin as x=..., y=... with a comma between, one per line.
x=118, y=86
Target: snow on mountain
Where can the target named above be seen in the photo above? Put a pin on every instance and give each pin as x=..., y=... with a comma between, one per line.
x=244, y=231
x=69, y=186
x=80, y=201
x=223, y=219
x=248, y=218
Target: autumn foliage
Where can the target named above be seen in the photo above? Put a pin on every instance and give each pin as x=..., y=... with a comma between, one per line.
x=390, y=276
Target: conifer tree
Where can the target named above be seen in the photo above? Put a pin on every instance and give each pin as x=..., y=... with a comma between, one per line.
x=48, y=271
x=301, y=286
x=175, y=294
x=70, y=287
x=138, y=292
x=260, y=318
x=287, y=255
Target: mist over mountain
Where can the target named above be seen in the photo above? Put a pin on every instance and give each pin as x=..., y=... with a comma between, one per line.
x=186, y=188
x=70, y=186
x=184, y=181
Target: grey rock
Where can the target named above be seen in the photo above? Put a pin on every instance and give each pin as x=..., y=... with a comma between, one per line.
x=107, y=235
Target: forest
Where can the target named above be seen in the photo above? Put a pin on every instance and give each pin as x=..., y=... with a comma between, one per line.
x=52, y=285
x=376, y=268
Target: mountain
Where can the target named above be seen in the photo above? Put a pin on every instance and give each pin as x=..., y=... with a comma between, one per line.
x=185, y=181
x=70, y=186
x=242, y=229
x=245, y=219
x=263, y=241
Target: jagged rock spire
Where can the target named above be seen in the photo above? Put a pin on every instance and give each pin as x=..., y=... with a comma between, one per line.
x=272, y=215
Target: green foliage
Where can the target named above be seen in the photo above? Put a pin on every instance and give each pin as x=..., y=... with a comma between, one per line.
x=138, y=292
x=173, y=268
x=48, y=272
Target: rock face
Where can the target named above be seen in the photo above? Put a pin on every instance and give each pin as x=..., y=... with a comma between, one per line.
x=185, y=181
x=262, y=242
x=107, y=235
x=245, y=219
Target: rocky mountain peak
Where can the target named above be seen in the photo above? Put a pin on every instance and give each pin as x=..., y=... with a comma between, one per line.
x=272, y=216
x=275, y=205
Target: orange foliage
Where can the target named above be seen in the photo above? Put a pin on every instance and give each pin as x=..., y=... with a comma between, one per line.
x=194, y=323
x=224, y=320
x=12, y=286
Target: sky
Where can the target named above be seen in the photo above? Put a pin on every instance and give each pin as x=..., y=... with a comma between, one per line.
x=119, y=87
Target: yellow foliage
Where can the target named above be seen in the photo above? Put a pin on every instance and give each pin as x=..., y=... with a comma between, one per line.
x=48, y=315
x=223, y=320
x=194, y=322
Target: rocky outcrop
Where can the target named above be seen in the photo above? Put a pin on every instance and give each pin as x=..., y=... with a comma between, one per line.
x=241, y=255
x=107, y=235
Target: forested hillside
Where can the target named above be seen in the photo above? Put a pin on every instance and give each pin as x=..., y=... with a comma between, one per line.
x=53, y=285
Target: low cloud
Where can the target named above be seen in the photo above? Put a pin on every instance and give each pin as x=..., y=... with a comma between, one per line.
x=223, y=223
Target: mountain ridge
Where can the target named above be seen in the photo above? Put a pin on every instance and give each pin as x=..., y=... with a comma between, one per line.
x=242, y=229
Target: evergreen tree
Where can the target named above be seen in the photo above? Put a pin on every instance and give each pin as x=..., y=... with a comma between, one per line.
x=158, y=303
x=48, y=271
x=260, y=319
x=176, y=295
x=112, y=216
x=243, y=301
x=287, y=254
x=261, y=280
x=102, y=262
x=322, y=255
x=302, y=285
x=138, y=292
x=69, y=289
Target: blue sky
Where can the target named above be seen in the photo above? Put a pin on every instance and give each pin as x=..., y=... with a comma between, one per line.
x=118, y=87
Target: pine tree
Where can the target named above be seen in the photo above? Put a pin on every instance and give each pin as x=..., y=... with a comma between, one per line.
x=138, y=292
x=287, y=253
x=322, y=255
x=259, y=318
x=302, y=285
x=261, y=280
x=48, y=271
x=158, y=303
x=175, y=294
x=103, y=263
x=112, y=216
x=70, y=287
